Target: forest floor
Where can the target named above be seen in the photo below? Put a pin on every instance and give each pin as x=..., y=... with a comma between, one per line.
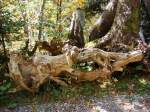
x=121, y=103
x=124, y=94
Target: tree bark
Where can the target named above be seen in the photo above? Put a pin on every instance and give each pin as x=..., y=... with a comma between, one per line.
x=147, y=6
x=104, y=23
x=41, y=20
x=93, y=7
x=2, y=32
x=3, y=44
x=59, y=15
x=145, y=21
x=125, y=27
x=75, y=36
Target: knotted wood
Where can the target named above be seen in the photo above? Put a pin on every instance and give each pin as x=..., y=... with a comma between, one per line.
x=30, y=73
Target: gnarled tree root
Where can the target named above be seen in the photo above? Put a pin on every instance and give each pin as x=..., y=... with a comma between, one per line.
x=29, y=74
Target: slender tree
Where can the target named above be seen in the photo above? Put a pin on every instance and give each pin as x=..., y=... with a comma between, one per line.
x=41, y=18
x=2, y=32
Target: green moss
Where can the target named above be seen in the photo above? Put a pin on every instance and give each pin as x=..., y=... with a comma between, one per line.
x=133, y=22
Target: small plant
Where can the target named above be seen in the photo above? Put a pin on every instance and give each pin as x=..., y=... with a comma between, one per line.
x=5, y=85
x=139, y=67
x=87, y=88
x=86, y=66
x=121, y=86
x=143, y=86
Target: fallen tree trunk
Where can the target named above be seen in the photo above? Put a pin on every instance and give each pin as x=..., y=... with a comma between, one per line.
x=29, y=74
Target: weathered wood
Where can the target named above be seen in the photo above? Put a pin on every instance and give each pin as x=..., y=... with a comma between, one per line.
x=53, y=47
x=29, y=74
x=75, y=35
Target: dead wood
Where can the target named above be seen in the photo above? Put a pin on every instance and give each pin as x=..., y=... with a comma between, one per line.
x=53, y=47
x=30, y=73
x=75, y=35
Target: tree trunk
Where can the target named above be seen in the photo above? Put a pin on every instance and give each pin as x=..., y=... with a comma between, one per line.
x=147, y=6
x=145, y=21
x=93, y=7
x=41, y=20
x=104, y=23
x=3, y=44
x=2, y=32
x=59, y=15
x=75, y=36
x=123, y=35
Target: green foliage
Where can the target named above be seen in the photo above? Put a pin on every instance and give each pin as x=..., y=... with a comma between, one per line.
x=5, y=85
x=6, y=101
x=3, y=59
x=87, y=88
x=86, y=66
x=12, y=105
x=139, y=67
x=9, y=25
x=143, y=86
x=121, y=86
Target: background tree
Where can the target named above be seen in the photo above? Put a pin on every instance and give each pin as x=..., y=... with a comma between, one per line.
x=75, y=36
x=41, y=19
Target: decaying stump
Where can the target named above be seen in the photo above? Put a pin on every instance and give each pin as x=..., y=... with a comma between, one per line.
x=53, y=47
x=75, y=36
x=29, y=74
